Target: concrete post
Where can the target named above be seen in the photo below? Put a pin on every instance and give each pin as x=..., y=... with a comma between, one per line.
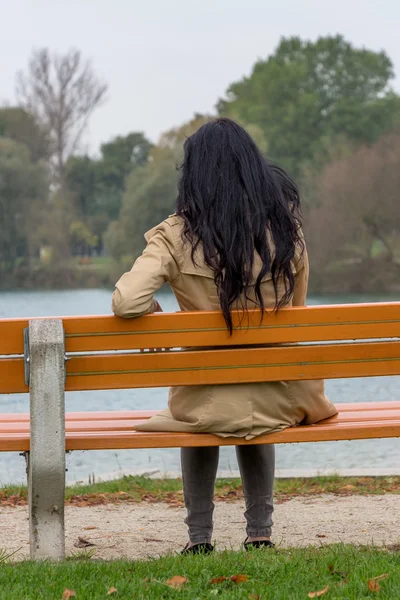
x=46, y=463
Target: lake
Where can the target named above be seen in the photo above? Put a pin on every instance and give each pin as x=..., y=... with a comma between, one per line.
x=355, y=457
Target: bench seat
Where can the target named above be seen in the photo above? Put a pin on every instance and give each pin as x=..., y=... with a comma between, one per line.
x=114, y=430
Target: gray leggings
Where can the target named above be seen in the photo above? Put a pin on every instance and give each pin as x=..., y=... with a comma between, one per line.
x=199, y=471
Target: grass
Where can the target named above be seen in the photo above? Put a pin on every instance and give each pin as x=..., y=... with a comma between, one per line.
x=342, y=571
x=136, y=489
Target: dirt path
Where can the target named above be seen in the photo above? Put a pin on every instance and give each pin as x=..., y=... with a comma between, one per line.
x=148, y=530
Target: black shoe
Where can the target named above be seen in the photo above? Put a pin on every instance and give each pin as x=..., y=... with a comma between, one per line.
x=202, y=548
x=258, y=544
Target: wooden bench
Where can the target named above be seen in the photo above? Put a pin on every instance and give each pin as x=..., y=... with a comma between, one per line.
x=99, y=353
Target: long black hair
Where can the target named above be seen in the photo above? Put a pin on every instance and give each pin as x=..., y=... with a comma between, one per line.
x=234, y=202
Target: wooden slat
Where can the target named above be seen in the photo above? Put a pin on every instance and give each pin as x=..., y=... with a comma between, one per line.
x=300, y=324
x=113, y=440
x=94, y=372
x=120, y=415
x=129, y=424
x=312, y=433
x=14, y=442
x=12, y=376
x=233, y=366
x=114, y=415
x=208, y=329
x=12, y=336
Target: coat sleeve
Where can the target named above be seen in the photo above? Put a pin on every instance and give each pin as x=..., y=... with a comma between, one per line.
x=134, y=292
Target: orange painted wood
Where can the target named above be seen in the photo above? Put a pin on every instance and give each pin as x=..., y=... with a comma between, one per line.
x=296, y=362
x=119, y=415
x=208, y=329
x=359, y=417
x=12, y=376
x=115, y=415
x=300, y=324
x=14, y=442
x=312, y=433
x=112, y=440
x=12, y=336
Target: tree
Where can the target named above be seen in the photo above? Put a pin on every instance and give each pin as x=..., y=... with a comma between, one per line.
x=120, y=156
x=173, y=139
x=82, y=240
x=149, y=198
x=23, y=199
x=97, y=185
x=61, y=91
x=353, y=226
x=309, y=91
x=19, y=125
x=150, y=192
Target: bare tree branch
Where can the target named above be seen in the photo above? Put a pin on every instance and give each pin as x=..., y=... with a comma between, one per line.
x=62, y=91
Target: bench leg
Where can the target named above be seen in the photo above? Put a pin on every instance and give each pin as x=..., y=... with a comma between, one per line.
x=46, y=461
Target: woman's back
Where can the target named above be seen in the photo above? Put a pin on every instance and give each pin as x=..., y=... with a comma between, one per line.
x=192, y=280
x=234, y=243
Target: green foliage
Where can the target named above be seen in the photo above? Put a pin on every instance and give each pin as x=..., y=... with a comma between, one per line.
x=81, y=238
x=19, y=125
x=149, y=198
x=98, y=185
x=307, y=91
x=121, y=156
x=150, y=192
x=174, y=139
x=23, y=199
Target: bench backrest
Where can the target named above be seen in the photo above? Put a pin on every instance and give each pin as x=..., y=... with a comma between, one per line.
x=103, y=352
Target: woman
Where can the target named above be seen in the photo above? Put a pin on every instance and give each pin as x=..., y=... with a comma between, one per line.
x=234, y=243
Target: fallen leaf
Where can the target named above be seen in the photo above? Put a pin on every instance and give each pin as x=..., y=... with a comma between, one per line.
x=218, y=580
x=254, y=597
x=82, y=543
x=112, y=590
x=373, y=584
x=318, y=594
x=68, y=594
x=239, y=578
x=321, y=535
x=89, y=528
x=176, y=581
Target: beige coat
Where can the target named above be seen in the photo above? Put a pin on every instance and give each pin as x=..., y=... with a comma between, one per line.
x=240, y=410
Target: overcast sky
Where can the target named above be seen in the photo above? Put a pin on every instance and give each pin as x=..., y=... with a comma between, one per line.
x=164, y=60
